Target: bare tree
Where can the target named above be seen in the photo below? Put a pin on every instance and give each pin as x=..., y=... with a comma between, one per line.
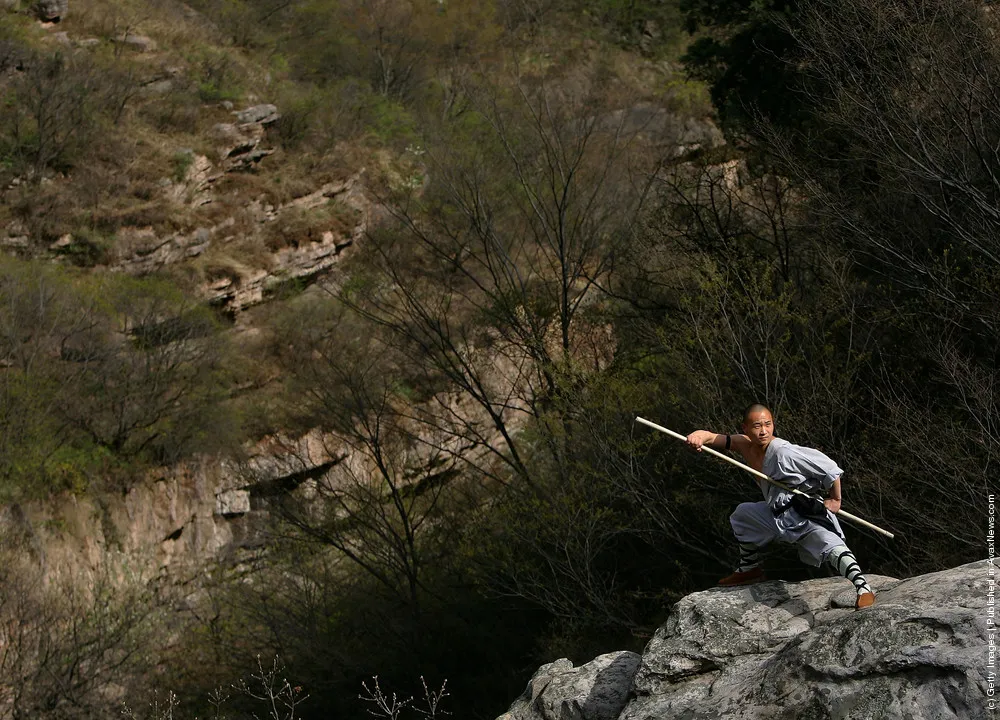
x=911, y=189
x=378, y=504
x=66, y=645
x=147, y=371
x=52, y=110
x=42, y=314
x=480, y=298
x=485, y=278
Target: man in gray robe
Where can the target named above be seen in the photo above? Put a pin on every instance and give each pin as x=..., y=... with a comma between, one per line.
x=808, y=523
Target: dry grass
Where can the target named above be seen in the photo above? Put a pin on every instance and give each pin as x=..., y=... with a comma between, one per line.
x=296, y=227
x=220, y=264
x=172, y=24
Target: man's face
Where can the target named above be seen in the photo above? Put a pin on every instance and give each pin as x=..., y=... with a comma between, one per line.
x=759, y=427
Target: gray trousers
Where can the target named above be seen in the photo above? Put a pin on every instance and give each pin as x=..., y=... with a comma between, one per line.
x=755, y=524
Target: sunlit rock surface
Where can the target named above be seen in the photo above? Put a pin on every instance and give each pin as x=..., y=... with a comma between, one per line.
x=782, y=650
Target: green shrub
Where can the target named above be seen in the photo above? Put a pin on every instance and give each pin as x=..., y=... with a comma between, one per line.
x=389, y=121
x=220, y=76
x=182, y=161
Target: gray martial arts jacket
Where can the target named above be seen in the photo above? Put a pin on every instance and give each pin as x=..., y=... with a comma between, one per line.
x=801, y=468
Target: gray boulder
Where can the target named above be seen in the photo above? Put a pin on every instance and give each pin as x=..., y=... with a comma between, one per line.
x=138, y=43
x=779, y=651
x=595, y=691
x=238, y=146
x=52, y=10
x=260, y=114
x=239, y=143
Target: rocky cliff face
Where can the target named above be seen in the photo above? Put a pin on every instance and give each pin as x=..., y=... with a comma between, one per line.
x=792, y=650
x=173, y=523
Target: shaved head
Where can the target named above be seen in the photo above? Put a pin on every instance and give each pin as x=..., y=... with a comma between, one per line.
x=758, y=425
x=753, y=409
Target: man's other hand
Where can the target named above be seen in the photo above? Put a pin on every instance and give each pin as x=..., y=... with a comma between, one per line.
x=698, y=438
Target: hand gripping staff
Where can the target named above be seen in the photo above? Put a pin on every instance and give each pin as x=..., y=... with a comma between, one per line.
x=846, y=515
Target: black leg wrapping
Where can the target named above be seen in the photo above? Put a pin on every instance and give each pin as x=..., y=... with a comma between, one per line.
x=843, y=561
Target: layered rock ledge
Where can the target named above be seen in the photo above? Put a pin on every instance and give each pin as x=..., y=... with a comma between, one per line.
x=782, y=650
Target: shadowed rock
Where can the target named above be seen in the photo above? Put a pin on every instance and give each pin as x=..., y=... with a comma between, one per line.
x=595, y=691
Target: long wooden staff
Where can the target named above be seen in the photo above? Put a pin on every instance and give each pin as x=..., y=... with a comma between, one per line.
x=844, y=514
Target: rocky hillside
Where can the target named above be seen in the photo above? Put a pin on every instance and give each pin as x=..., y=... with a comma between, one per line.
x=191, y=176
x=791, y=650
x=175, y=142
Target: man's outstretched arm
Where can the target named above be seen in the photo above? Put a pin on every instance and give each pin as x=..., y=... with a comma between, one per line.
x=719, y=441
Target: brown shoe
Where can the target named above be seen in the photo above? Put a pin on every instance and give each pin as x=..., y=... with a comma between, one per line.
x=864, y=600
x=754, y=575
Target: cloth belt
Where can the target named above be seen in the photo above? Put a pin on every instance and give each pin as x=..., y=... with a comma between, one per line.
x=823, y=520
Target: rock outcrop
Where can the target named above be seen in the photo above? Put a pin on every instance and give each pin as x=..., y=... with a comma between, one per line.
x=239, y=143
x=675, y=134
x=52, y=10
x=236, y=288
x=595, y=691
x=782, y=650
x=174, y=522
